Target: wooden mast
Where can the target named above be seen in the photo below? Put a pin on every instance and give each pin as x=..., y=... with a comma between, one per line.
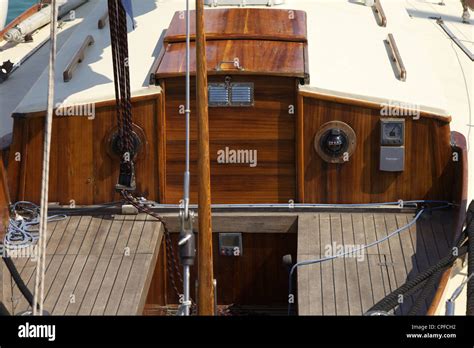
x=205, y=263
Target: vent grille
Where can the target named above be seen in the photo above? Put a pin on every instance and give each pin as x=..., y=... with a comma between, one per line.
x=218, y=94
x=232, y=94
x=242, y=94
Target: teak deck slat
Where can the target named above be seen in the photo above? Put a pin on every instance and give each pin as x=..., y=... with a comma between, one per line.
x=363, y=269
x=327, y=268
x=95, y=265
x=342, y=302
x=352, y=273
x=378, y=278
x=351, y=286
x=87, y=303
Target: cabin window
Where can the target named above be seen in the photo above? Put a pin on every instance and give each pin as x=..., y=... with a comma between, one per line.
x=231, y=94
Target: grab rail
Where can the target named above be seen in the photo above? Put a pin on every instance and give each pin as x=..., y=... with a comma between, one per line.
x=396, y=57
x=103, y=20
x=380, y=13
x=77, y=59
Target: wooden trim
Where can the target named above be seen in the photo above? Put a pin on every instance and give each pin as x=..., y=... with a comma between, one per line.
x=439, y=292
x=396, y=57
x=5, y=201
x=156, y=64
x=217, y=37
x=13, y=166
x=236, y=72
x=23, y=162
x=460, y=146
x=77, y=58
x=162, y=145
x=366, y=104
x=28, y=13
x=4, y=179
x=300, y=149
x=306, y=64
x=101, y=104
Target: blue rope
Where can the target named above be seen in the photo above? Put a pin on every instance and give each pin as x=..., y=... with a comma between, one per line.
x=397, y=231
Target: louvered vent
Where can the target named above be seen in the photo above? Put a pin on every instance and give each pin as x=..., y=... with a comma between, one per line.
x=218, y=94
x=232, y=94
x=242, y=94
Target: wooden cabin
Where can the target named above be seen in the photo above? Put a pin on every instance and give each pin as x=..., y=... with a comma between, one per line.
x=273, y=140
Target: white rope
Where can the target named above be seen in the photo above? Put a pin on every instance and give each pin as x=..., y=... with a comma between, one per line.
x=23, y=230
x=43, y=225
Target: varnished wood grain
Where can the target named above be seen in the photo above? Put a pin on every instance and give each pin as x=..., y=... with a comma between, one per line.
x=355, y=101
x=271, y=58
x=82, y=168
x=428, y=170
x=300, y=165
x=206, y=270
x=4, y=201
x=245, y=23
x=266, y=127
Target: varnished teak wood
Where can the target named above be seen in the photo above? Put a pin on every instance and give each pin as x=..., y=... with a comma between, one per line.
x=243, y=24
x=4, y=201
x=206, y=271
x=428, y=172
x=269, y=58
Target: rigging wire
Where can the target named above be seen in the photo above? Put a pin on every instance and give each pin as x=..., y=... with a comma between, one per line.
x=43, y=225
x=187, y=114
x=186, y=243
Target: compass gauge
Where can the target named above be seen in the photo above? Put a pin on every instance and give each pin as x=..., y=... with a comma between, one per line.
x=393, y=132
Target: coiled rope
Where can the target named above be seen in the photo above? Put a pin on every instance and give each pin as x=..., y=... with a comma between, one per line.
x=23, y=231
